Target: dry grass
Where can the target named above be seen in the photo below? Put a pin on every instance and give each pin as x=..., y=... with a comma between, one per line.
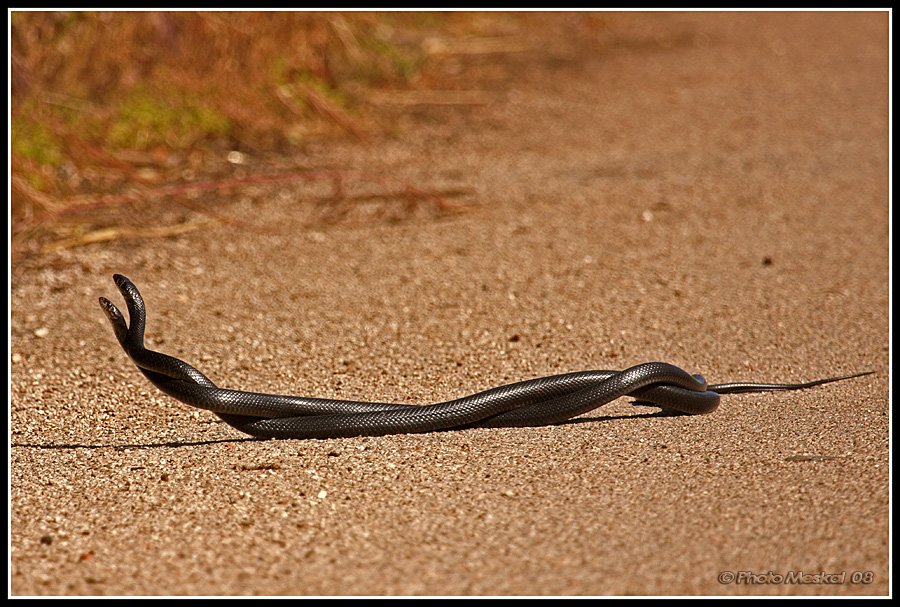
x=103, y=103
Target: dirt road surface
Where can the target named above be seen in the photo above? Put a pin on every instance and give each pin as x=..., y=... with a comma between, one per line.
x=709, y=190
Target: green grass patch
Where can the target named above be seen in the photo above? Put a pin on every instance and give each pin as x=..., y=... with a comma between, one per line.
x=145, y=120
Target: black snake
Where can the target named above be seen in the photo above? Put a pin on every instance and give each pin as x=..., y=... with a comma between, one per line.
x=545, y=400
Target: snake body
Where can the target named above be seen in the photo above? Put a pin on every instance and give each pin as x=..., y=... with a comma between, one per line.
x=541, y=401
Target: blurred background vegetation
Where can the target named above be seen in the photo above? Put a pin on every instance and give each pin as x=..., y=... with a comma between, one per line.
x=104, y=101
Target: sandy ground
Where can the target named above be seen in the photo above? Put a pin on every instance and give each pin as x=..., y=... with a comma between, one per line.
x=707, y=190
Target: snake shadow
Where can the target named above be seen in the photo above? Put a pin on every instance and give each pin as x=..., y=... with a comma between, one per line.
x=124, y=446
x=660, y=412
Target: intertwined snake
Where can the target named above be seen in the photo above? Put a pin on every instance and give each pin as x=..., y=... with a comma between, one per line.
x=541, y=401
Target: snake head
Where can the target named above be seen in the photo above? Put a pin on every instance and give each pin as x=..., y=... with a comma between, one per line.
x=128, y=291
x=133, y=335
x=116, y=320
